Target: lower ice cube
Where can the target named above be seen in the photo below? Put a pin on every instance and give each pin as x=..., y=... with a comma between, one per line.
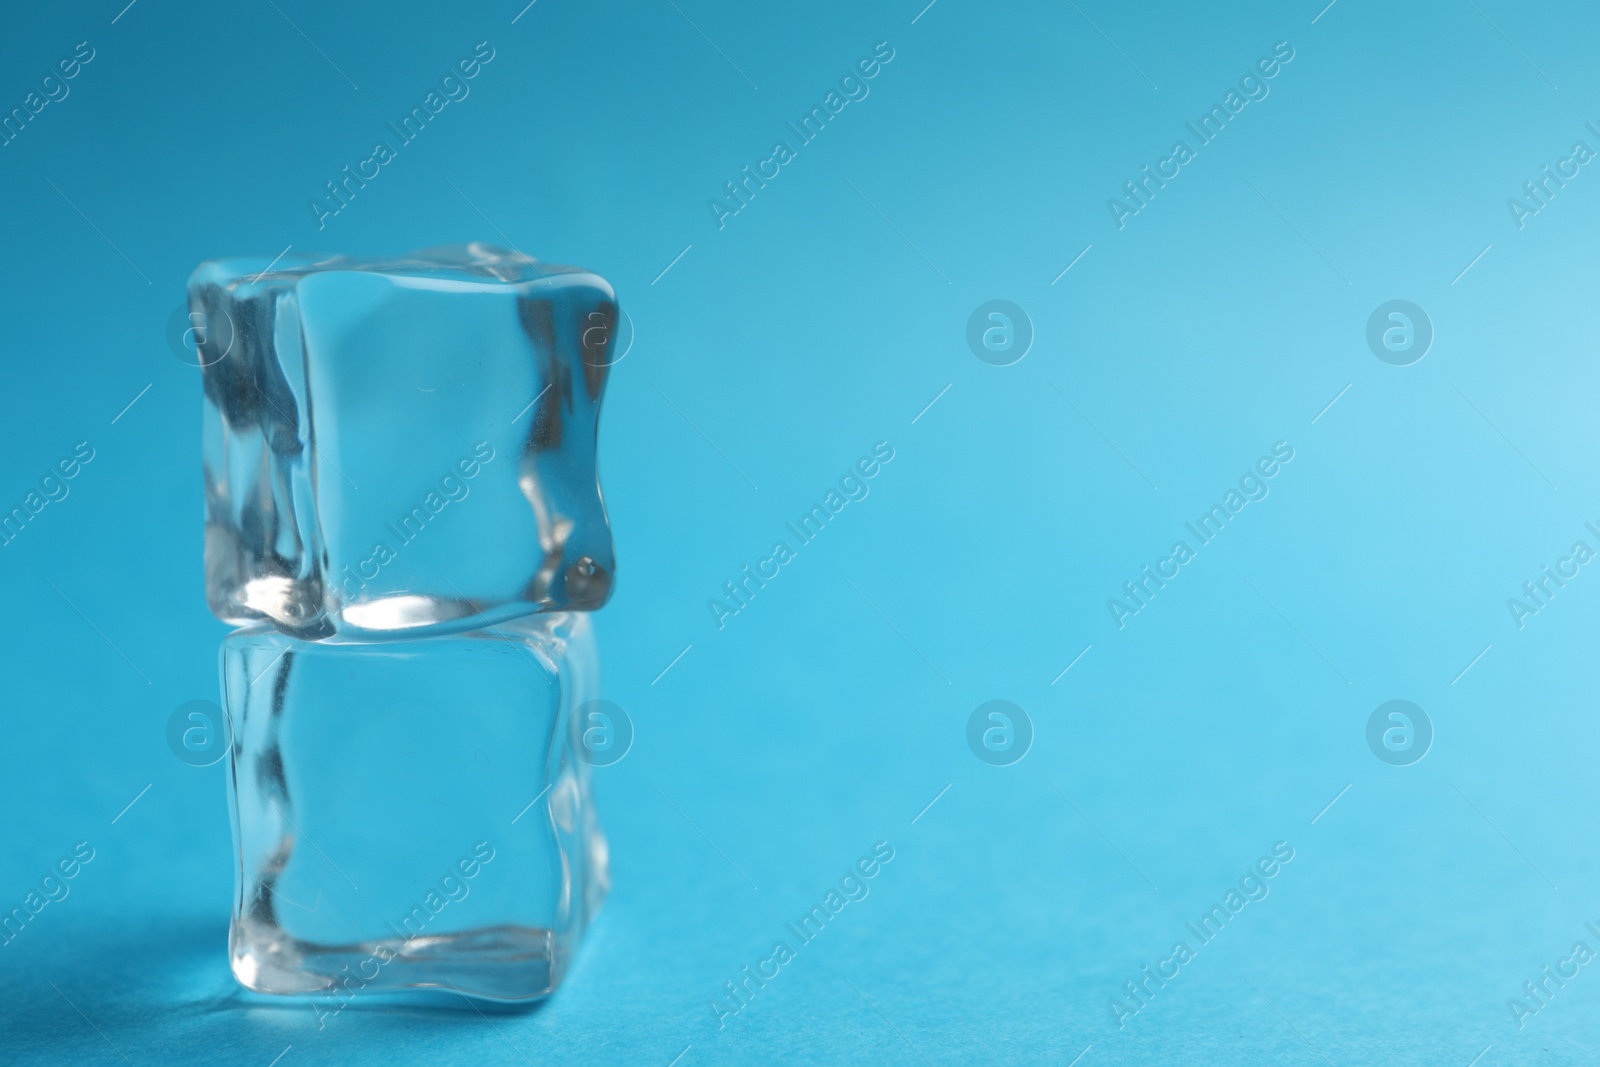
x=412, y=815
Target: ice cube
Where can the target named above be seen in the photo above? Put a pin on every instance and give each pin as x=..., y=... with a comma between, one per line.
x=402, y=447
x=411, y=814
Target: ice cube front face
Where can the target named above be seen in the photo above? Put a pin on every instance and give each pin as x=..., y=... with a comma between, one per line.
x=405, y=447
x=411, y=814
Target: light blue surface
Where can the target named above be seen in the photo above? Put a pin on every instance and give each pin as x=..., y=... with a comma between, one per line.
x=822, y=318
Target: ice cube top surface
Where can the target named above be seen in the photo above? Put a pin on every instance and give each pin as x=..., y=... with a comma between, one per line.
x=402, y=447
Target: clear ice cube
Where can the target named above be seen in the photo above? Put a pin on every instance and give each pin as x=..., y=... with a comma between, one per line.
x=411, y=814
x=402, y=447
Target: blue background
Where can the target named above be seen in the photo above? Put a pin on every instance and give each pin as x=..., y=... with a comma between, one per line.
x=824, y=317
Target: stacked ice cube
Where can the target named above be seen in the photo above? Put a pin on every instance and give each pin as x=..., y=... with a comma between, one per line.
x=403, y=514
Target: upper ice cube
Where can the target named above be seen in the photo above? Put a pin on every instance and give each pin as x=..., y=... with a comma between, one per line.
x=402, y=447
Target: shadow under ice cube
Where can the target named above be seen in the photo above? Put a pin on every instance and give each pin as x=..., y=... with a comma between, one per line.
x=412, y=814
x=402, y=447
